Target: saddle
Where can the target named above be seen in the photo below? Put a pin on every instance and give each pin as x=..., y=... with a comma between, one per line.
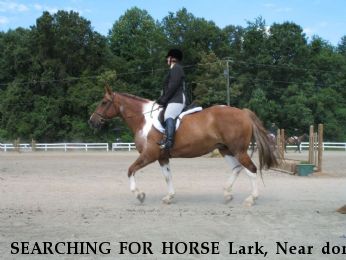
x=159, y=123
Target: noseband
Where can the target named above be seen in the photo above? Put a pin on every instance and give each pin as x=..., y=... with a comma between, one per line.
x=110, y=102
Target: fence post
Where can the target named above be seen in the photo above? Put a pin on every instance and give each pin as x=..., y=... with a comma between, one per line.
x=33, y=145
x=17, y=145
x=315, y=148
x=320, y=147
x=279, y=143
x=283, y=143
x=311, y=144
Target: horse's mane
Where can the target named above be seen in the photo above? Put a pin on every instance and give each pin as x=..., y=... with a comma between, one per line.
x=134, y=97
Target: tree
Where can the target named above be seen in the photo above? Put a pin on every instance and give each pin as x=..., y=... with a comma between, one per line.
x=234, y=36
x=138, y=45
x=264, y=108
x=15, y=55
x=288, y=50
x=295, y=111
x=252, y=52
x=342, y=45
x=44, y=62
x=193, y=35
x=210, y=84
x=52, y=75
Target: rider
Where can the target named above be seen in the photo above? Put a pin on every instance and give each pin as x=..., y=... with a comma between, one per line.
x=173, y=97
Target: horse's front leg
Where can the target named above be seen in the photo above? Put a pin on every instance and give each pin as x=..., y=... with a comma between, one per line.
x=141, y=161
x=166, y=171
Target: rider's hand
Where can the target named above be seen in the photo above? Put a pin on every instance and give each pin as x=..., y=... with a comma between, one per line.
x=160, y=101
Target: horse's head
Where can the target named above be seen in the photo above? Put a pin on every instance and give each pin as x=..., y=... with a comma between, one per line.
x=304, y=137
x=106, y=110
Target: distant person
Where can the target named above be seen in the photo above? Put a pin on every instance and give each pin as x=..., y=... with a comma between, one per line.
x=273, y=129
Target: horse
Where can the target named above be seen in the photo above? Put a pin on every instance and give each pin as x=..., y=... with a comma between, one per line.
x=295, y=140
x=221, y=127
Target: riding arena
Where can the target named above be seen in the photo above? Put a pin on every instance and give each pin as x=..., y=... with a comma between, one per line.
x=84, y=196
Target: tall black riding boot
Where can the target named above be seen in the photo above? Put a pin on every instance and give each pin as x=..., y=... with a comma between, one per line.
x=170, y=130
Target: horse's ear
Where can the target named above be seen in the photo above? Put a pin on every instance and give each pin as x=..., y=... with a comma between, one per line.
x=108, y=90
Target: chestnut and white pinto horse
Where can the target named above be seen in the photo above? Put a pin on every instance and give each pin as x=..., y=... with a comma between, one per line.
x=225, y=128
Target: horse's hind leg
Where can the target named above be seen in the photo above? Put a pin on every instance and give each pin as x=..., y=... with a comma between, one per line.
x=250, y=170
x=236, y=169
x=166, y=171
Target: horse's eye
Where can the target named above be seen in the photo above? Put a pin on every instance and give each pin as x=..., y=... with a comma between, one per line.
x=104, y=102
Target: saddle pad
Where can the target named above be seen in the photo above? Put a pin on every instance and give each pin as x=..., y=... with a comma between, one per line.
x=158, y=125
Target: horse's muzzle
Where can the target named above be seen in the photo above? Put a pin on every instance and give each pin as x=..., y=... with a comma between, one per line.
x=96, y=121
x=92, y=124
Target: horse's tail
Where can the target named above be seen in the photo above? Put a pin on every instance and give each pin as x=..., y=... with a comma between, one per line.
x=266, y=154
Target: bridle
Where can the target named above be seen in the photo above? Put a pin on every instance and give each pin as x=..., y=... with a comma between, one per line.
x=111, y=101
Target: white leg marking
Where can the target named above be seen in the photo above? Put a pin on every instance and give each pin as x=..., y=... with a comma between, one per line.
x=132, y=183
x=139, y=195
x=249, y=201
x=166, y=171
x=236, y=168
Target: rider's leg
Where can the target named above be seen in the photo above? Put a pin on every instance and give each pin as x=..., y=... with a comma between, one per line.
x=172, y=112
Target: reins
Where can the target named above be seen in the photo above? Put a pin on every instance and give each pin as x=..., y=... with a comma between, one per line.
x=144, y=113
x=152, y=109
x=124, y=116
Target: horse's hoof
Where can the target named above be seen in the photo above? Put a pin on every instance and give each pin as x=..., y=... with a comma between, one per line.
x=228, y=198
x=249, y=202
x=141, y=197
x=168, y=199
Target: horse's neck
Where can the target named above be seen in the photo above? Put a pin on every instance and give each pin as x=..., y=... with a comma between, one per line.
x=301, y=137
x=131, y=111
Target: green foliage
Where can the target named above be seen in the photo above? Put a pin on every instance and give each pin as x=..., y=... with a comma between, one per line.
x=52, y=75
x=264, y=108
x=137, y=44
x=210, y=84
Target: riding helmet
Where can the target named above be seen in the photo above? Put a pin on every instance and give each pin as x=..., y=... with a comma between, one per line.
x=175, y=53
